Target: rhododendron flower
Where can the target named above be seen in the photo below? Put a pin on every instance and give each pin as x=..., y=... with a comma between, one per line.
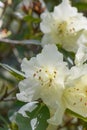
x=81, y=55
x=63, y=26
x=45, y=77
x=75, y=95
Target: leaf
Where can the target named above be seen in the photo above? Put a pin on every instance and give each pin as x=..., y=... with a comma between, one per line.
x=14, y=72
x=76, y=115
x=68, y=56
x=81, y=6
x=4, y=128
x=29, y=18
x=3, y=120
x=35, y=119
x=5, y=125
x=23, y=122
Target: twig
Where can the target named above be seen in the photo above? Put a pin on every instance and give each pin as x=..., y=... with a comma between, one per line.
x=28, y=42
x=9, y=99
x=7, y=94
x=12, y=91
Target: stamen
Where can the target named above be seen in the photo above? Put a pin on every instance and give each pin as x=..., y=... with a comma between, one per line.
x=39, y=77
x=34, y=75
x=40, y=70
x=80, y=99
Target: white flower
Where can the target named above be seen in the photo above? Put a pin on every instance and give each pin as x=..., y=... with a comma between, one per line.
x=45, y=76
x=75, y=95
x=63, y=26
x=81, y=55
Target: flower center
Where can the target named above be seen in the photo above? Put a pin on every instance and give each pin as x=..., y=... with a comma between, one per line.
x=45, y=76
x=62, y=28
x=65, y=29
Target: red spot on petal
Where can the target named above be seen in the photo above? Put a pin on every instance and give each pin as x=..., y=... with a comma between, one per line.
x=80, y=99
x=85, y=103
x=34, y=75
x=40, y=70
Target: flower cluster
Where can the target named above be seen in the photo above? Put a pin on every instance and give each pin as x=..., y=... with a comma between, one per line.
x=48, y=76
x=63, y=26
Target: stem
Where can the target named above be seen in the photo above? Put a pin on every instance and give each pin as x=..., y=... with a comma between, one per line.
x=30, y=42
x=6, y=94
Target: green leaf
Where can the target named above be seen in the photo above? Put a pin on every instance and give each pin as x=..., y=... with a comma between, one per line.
x=4, y=128
x=35, y=119
x=14, y=72
x=5, y=123
x=3, y=120
x=29, y=18
x=68, y=56
x=81, y=6
x=76, y=115
x=23, y=122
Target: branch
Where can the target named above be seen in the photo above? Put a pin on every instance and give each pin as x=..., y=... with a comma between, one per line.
x=6, y=95
x=12, y=91
x=9, y=99
x=21, y=42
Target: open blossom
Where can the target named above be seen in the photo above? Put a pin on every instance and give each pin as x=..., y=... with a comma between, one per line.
x=45, y=76
x=75, y=95
x=63, y=26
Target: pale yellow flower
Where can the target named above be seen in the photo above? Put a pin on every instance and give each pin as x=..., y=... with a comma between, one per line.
x=75, y=95
x=63, y=26
x=45, y=76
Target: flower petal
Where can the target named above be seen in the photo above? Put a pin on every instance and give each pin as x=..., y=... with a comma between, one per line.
x=64, y=10
x=81, y=55
x=49, y=56
x=75, y=97
x=29, y=66
x=29, y=90
x=58, y=116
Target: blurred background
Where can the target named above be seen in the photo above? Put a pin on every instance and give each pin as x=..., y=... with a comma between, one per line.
x=19, y=23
